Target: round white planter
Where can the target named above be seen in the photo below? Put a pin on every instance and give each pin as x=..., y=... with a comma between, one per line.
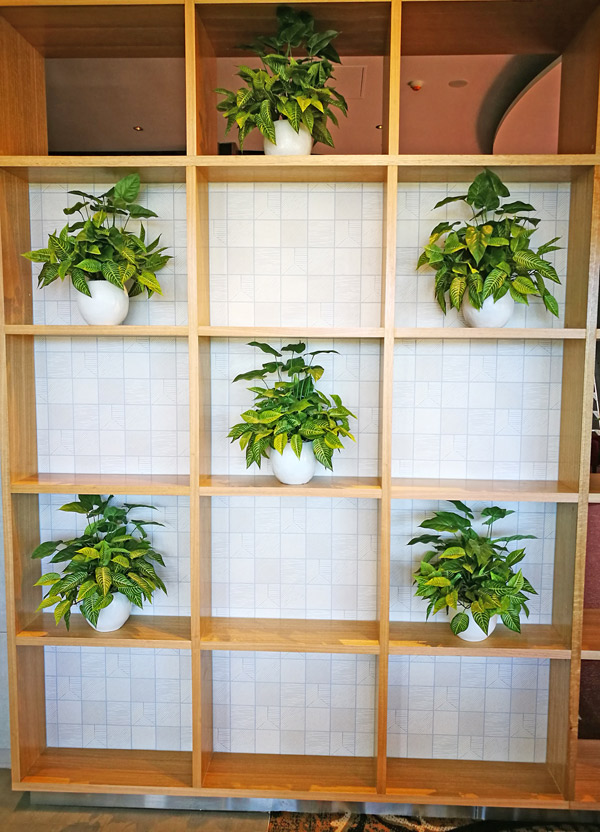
x=289, y=143
x=291, y=470
x=491, y=314
x=113, y=617
x=473, y=631
x=108, y=305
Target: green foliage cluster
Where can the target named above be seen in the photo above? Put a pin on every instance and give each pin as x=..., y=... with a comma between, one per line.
x=97, y=248
x=293, y=88
x=491, y=254
x=105, y=559
x=291, y=410
x=472, y=571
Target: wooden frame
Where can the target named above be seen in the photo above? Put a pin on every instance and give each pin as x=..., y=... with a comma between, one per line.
x=570, y=776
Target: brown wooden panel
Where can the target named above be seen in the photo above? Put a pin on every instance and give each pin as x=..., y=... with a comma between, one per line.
x=580, y=76
x=363, y=26
x=15, y=238
x=101, y=31
x=22, y=95
x=496, y=27
x=206, y=99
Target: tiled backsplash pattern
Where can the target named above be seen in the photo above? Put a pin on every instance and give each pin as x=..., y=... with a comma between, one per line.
x=120, y=405
x=294, y=557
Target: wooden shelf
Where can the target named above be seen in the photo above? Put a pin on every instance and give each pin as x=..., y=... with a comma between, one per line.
x=269, y=486
x=84, y=331
x=459, y=333
x=473, y=783
x=299, y=776
x=120, y=770
x=587, y=775
x=594, y=496
x=434, y=638
x=92, y=169
x=590, y=641
x=152, y=631
x=175, y=485
x=290, y=635
x=536, y=491
x=357, y=333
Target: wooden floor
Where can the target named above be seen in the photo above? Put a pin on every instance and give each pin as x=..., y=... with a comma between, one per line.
x=17, y=815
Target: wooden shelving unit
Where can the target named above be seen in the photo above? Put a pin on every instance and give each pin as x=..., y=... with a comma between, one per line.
x=202, y=31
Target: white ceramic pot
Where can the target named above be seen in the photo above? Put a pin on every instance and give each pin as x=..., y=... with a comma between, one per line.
x=108, y=304
x=113, y=617
x=291, y=470
x=289, y=143
x=491, y=314
x=473, y=631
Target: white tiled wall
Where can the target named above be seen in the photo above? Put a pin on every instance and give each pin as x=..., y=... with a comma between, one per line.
x=294, y=557
x=305, y=254
x=295, y=254
x=294, y=703
x=99, y=697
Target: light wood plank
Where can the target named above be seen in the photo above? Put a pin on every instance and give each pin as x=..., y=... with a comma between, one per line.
x=590, y=641
x=451, y=333
x=226, y=485
x=287, y=635
x=289, y=774
x=536, y=491
x=119, y=771
x=168, y=485
x=125, y=331
x=392, y=80
x=473, y=783
x=412, y=638
x=152, y=631
x=587, y=780
x=357, y=333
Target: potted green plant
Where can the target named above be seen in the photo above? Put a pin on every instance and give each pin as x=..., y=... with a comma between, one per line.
x=107, y=262
x=288, y=99
x=486, y=265
x=471, y=575
x=291, y=421
x=108, y=568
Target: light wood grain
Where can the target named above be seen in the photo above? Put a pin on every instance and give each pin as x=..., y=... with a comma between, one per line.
x=121, y=770
x=265, y=774
x=419, y=638
x=354, y=333
x=450, y=333
x=536, y=491
x=587, y=788
x=392, y=80
x=101, y=484
x=101, y=30
x=590, y=640
x=288, y=635
x=228, y=485
x=22, y=95
x=152, y=631
x=205, y=83
x=68, y=331
x=473, y=783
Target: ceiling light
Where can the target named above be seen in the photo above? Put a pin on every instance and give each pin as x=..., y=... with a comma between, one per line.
x=459, y=82
x=138, y=128
x=379, y=126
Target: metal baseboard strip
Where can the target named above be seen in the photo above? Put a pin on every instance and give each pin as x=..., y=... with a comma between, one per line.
x=254, y=804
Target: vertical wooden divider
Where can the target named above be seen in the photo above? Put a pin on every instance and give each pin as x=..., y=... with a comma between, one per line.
x=391, y=81
x=390, y=210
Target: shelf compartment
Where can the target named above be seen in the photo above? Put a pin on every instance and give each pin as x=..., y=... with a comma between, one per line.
x=484, y=783
x=268, y=486
x=355, y=333
x=587, y=775
x=300, y=776
x=424, y=638
x=152, y=631
x=83, y=331
x=536, y=491
x=166, y=485
x=290, y=635
x=590, y=642
x=451, y=333
x=122, y=771
x=95, y=169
